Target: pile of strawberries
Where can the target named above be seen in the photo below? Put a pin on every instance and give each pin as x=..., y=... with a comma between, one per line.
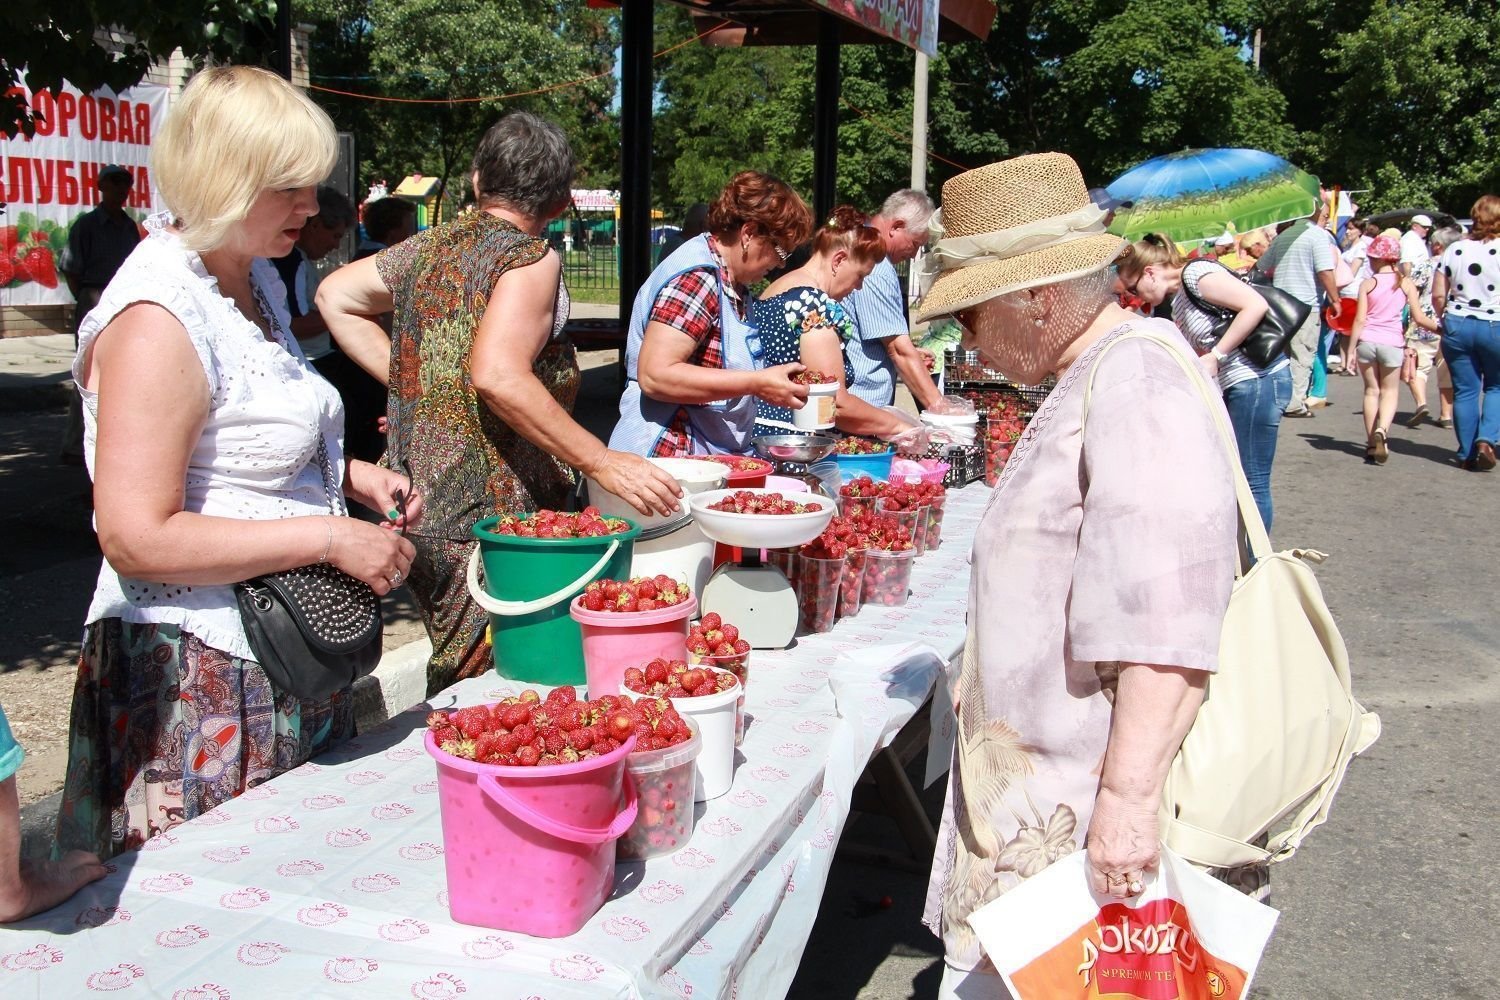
x=738, y=464
x=589, y=523
x=713, y=636
x=639, y=593
x=675, y=679
x=857, y=496
x=861, y=528
x=909, y=496
x=750, y=502
x=811, y=377
x=861, y=446
x=29, y=259
x=1003, y=429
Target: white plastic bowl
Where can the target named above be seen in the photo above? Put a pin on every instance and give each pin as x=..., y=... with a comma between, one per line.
x=761, y=531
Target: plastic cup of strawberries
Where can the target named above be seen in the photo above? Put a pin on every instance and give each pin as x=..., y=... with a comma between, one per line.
x=910, y=520
x=852, y=583
x=1003, y=429
x=888, y=576
x=859, y=494
x=817, y=587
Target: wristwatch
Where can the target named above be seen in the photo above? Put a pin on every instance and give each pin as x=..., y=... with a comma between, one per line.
x=1213, y=352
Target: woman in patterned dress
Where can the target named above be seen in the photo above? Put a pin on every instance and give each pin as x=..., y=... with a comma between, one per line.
x=482, y=379
x=203, y=426
x=693, y=361
x=1101, y=569
x=800, y=321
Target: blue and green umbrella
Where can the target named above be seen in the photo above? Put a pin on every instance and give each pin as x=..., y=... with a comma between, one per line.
x=1196, y=194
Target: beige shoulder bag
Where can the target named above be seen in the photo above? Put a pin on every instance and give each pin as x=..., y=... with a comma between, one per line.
x=1279, y=723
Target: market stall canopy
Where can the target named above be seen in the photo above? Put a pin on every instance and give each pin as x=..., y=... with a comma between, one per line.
x=1195, y=194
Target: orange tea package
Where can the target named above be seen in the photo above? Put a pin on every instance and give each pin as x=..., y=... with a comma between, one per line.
x=1187, y=937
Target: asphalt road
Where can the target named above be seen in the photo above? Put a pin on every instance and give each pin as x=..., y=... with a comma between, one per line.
x=1393, y=898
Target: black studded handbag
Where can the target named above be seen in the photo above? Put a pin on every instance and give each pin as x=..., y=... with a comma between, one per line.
x=314, y=629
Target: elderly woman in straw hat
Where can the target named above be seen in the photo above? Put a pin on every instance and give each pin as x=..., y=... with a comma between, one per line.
x=1102, y=567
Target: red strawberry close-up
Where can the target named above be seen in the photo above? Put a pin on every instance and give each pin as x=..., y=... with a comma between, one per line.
x=7, y=271
x=42, y=266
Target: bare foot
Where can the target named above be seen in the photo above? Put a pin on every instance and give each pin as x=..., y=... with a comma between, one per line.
x=45, y=884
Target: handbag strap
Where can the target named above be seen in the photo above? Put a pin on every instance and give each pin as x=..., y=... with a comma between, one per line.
x=334, y=496
x=1258, y=541
x=1198, y=300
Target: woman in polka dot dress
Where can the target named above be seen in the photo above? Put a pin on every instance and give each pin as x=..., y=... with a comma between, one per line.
x=1466, y=297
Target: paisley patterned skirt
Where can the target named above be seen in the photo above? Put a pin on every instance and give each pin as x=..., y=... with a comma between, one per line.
x=164, y=728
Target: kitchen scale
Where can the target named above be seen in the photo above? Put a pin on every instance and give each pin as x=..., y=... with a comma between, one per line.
x=756, y=597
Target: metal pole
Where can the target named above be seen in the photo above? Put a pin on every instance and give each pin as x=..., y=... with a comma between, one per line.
x=284, y=38
x=1255, y=51
x=826, y=118
x=635, y=149
x=919, y=123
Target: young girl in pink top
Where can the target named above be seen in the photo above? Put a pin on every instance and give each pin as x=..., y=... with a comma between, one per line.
x=1378, y=340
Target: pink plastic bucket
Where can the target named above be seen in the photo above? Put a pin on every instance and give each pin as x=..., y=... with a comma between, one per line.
x=615, y=641
x=532, y=849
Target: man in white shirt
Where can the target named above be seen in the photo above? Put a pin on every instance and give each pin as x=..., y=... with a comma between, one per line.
x=883, y=346
x=1414, y=243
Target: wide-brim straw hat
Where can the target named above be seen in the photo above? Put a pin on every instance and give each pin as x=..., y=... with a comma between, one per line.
x=1015, y=224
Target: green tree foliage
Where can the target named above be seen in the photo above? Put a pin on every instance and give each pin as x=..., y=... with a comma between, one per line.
x=56, y=41
x=440, y=49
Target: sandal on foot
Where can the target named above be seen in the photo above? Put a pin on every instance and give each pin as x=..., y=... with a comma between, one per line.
x=1415, y=420
x=1381, y=451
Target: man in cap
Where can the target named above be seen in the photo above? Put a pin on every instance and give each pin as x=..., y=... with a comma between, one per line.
x=883, y=346
x=1414, y=243
x=98, y=243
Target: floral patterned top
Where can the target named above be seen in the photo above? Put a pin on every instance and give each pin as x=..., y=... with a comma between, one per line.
x=1113, y=547
x=465, y=461
x=781, y=320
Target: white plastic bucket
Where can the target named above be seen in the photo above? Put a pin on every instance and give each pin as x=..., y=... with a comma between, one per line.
x=684, y=554
x=817, y=413
x=951, y=428
x=693, y=475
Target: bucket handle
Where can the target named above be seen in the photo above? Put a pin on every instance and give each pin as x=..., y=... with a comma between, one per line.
x=505, y=799
x=513, y=609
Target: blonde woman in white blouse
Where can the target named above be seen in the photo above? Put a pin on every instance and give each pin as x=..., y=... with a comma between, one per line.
x=204, y=426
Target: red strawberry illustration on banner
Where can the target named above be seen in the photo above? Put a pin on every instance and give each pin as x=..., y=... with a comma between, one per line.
x=42, y=266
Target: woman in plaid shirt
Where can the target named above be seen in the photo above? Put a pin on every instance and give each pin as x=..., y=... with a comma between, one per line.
x=693, y=363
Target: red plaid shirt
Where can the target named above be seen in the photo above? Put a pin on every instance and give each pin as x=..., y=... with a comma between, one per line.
x=690, y=303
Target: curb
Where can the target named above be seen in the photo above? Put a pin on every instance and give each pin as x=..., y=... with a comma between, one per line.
x=398, y=683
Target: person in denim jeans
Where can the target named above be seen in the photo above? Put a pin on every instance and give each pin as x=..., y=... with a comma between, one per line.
x=1465, y=298
x=1203, y=294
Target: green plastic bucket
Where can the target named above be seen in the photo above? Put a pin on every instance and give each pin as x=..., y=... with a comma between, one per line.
x=526, y=586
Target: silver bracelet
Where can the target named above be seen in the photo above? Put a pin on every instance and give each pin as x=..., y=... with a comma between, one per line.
x=329, y=547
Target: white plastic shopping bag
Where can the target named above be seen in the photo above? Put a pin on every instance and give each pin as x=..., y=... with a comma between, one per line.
x=1187, y=937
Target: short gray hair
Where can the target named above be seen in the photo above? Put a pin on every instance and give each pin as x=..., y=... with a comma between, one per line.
x=910, y=206
x=525, y=162
x=1444, y=237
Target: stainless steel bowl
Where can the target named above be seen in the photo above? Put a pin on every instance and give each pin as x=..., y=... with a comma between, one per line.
x=801, y=448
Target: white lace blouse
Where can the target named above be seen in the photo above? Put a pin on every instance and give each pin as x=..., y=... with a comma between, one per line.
x=257, y=456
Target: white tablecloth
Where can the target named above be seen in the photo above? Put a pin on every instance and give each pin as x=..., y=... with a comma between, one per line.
x=329, y=880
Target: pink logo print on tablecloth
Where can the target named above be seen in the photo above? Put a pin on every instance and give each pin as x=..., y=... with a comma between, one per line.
x=247, y=898
x=626, y=928
x=160, y=842
x=324, y=801
x=421, y=852
x=408, y=929
x=824, y=840
x=782, y=702
x=214, y=817
x=260, y=793
x=349, y=970
x=700, y=947
x=166, y=882
x=425, y=787
x=299, y=868
x=102, y=916
x=181, y=937
x=276, y=824
x=810, y=727
x=116, y=977
x=680, y=987
x=815, y=674
x=887, y=626
x=392, y=810
x=310, y=768
x=746, y=799
x=348, y=836
x=203, y=991
x=791, y=750
x=725, y=911
x=260, y=953
x=801, y=688
x=487, y=947
x=402, y=753
x=578, y=968
x=321, y=914
x=227, y=855
x=661, y=892
x=828, y=660
x=691, y=857
x=365, y=777
x=934, y=633
x=37, y=957
x=442, y=897
x=721, y=826
x=378, y=882
x=767, y=773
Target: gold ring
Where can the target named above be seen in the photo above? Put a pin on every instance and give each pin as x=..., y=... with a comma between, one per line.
x=1135, y=887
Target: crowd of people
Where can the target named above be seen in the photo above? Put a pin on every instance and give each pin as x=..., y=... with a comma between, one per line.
x=1110, y=559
